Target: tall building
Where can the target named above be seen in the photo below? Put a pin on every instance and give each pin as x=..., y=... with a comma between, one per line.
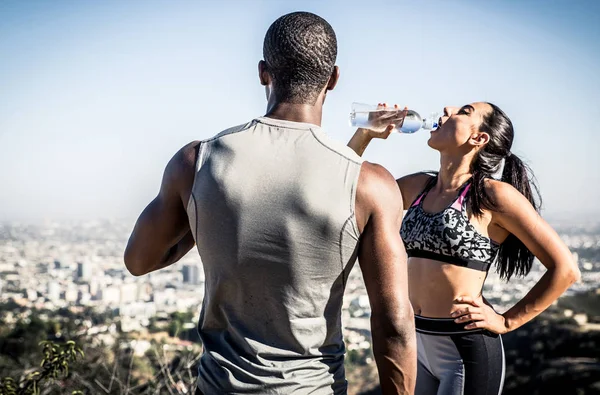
x=94, y=286
x=53, y=291
x=84, y=271
x=191, y=274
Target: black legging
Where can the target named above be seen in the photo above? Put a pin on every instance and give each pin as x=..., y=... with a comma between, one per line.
x=453, y=361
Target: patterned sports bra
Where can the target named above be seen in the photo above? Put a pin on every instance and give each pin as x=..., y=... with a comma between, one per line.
x=447, y=236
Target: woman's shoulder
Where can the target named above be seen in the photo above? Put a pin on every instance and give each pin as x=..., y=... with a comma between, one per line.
x=413, y=184
x=416, y=180
x=498, y=188
x=502, y=194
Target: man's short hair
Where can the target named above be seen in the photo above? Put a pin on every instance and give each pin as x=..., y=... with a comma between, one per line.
x=300, y=51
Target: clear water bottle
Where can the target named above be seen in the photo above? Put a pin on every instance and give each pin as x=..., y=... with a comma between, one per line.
x=370, y=117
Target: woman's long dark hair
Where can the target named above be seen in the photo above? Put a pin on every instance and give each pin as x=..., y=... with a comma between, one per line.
x=514, y=257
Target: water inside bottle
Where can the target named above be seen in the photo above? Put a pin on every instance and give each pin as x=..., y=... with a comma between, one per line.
x=364, y=119
x=367, y=117
x=412, y=123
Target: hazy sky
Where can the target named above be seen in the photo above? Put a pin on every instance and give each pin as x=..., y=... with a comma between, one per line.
x=95, y=97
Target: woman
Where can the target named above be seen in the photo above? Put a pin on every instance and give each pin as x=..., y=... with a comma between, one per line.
x=459, y=223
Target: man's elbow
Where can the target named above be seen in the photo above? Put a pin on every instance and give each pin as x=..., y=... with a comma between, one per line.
x=399, y=324
x=134, y=263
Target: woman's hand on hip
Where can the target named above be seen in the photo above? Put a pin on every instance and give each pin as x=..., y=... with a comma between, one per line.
x=478, y=314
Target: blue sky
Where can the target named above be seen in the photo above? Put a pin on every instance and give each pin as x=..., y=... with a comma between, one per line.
x=95, y=97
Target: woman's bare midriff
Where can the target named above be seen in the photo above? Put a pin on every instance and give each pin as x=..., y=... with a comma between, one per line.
x=433, y=286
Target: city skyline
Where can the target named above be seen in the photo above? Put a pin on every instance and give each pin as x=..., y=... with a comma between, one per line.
x=96, y=97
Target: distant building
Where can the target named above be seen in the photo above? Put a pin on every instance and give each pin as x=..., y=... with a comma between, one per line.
x=84, y=271
x=164, y=298
x=94, y=287
x=110, y=295
x=191, y=274
x=137, y=310
x=83, y=297
x=360, y=307
x=53, y=291
x=144, y=290
x=31, y=294
x=129, y=293
x=71, y=293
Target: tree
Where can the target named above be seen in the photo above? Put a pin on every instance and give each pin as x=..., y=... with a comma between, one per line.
x=54, y=366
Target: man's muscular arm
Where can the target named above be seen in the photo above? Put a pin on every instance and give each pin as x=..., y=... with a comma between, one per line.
x=162, y=233
x=383, y=262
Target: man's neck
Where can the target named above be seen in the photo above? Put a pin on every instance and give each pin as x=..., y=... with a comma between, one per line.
x=305, y=113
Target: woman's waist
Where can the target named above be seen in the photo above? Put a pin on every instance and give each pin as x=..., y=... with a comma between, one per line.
x=443, y=327
x=431, y=266
x=436, y=306
x=434, y=309
x=434, y=287
x=433, y=278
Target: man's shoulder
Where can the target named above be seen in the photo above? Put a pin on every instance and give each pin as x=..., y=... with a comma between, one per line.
x=338, y=147
x=375, y=179
x=229, y=132
x=377, y=192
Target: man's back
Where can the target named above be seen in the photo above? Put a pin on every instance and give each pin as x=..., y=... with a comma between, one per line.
x=276, y=209
x=272, y=212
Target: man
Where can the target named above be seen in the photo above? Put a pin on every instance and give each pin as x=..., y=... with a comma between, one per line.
x=279, y=213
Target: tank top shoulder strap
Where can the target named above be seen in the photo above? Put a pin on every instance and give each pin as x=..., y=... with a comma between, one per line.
x=430, y=183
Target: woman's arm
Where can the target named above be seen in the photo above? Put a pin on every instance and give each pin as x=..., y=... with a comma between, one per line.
x=361, y=140
x=384, y=121
x=517, y=216
x=410, y=185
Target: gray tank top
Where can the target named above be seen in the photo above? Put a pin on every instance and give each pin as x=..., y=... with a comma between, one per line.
x=272, y=212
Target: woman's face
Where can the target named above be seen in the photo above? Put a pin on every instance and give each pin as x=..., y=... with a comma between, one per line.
x=459, y=127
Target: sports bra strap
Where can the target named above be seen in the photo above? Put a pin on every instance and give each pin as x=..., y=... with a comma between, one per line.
x=459, y=203
x=430, y=183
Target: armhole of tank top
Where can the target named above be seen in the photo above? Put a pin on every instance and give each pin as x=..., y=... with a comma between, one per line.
x=191, y=205
x=353, y=201
x=358, y=163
